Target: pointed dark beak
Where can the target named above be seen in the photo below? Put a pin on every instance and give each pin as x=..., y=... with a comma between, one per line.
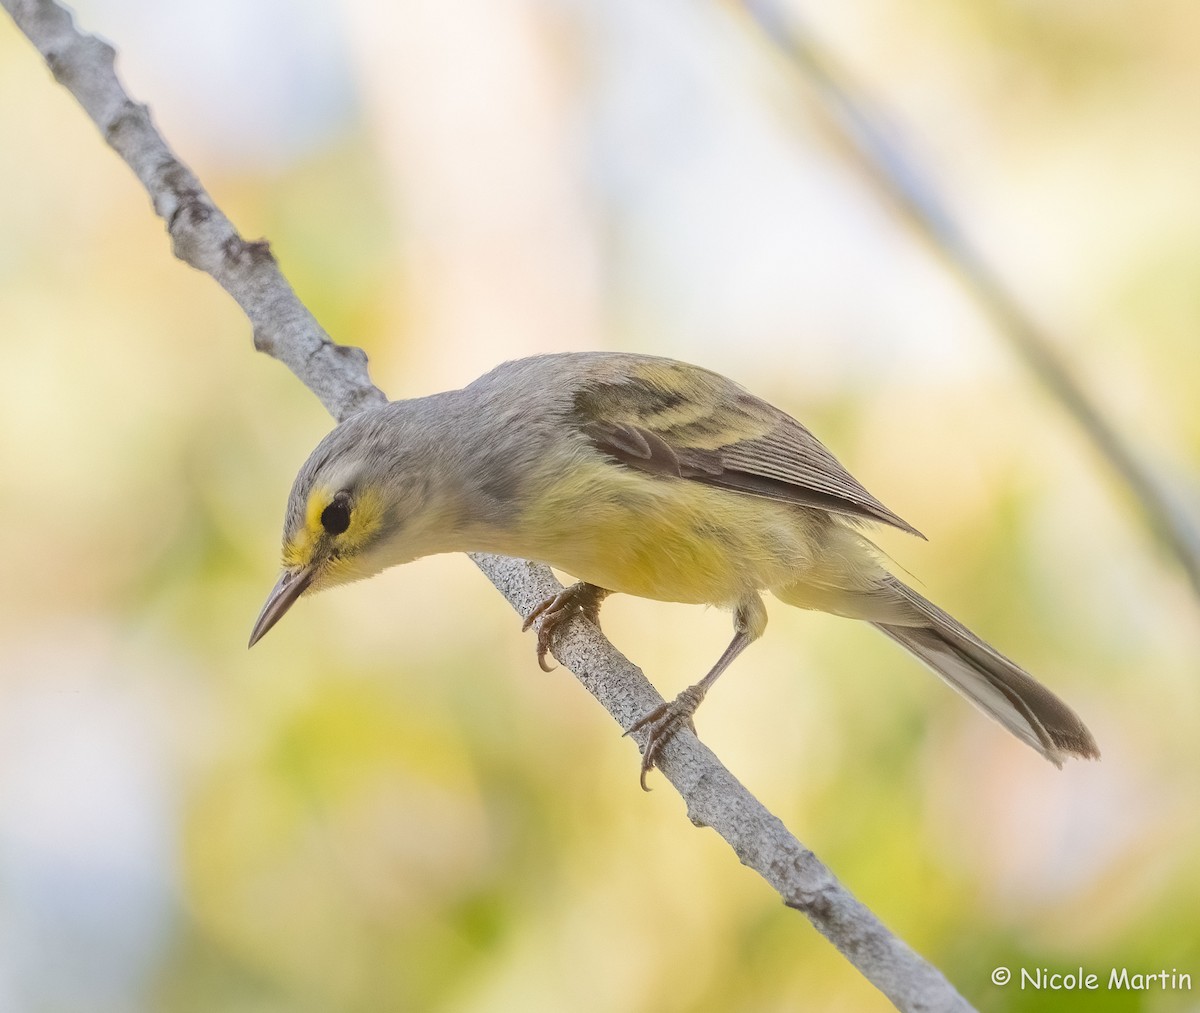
x=290, y=586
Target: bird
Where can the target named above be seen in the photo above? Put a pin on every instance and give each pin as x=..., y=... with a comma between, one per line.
x=637, y=475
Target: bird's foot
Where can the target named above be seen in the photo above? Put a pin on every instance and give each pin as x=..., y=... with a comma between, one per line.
x=579, y=599
x=663, y=723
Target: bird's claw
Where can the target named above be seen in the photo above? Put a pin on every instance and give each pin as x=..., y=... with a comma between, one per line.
x=663, y=723
x=581, y=598
x=551, y=612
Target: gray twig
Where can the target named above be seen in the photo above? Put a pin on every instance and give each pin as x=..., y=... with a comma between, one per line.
x=200, y=233
x=863, y=122
x=204, y=238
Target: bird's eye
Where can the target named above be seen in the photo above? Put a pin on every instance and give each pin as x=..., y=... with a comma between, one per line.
x=335, y=518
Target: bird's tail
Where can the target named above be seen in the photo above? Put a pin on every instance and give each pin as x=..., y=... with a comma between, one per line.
x=993, y=683
x=997, y=686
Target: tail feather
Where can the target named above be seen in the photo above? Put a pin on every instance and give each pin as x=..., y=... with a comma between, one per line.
x=993, y=683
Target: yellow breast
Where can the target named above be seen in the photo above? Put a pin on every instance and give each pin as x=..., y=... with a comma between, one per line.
x=661, y=537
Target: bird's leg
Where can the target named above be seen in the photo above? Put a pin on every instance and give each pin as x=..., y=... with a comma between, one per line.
x=749, y=621
x=582, y=598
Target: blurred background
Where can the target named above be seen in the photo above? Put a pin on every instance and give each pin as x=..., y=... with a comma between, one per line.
x=386, y=805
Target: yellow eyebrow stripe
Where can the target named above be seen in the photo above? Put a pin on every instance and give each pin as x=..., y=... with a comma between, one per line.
x=298, y=551
x=366, y=516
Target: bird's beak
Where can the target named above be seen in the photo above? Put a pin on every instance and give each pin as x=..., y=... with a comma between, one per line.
x=290, y=586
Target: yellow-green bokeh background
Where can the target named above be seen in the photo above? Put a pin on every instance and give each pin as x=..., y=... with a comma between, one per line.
x=386, y=805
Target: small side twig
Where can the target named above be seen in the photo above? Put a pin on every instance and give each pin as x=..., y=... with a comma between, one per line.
x=204, y=238
x=200, y=233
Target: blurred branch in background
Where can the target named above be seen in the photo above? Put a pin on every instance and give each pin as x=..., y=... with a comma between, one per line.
x=864, y=124
x=203, y=237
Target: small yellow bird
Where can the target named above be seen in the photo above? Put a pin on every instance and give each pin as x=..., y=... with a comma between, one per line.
x=640, y=475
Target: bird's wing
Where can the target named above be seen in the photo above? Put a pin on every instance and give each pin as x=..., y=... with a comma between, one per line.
x=670, y=418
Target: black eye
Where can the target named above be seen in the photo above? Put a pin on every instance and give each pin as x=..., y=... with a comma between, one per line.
x=335, y=518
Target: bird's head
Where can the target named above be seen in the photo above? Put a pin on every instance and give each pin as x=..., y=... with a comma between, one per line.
x=348, y=512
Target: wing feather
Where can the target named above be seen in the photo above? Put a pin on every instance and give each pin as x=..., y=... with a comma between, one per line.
x=669, y=418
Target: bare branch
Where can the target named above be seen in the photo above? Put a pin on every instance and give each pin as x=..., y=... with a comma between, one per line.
x=204, y=238
x=200, y=233
x=716, y=799
x=863, y=123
